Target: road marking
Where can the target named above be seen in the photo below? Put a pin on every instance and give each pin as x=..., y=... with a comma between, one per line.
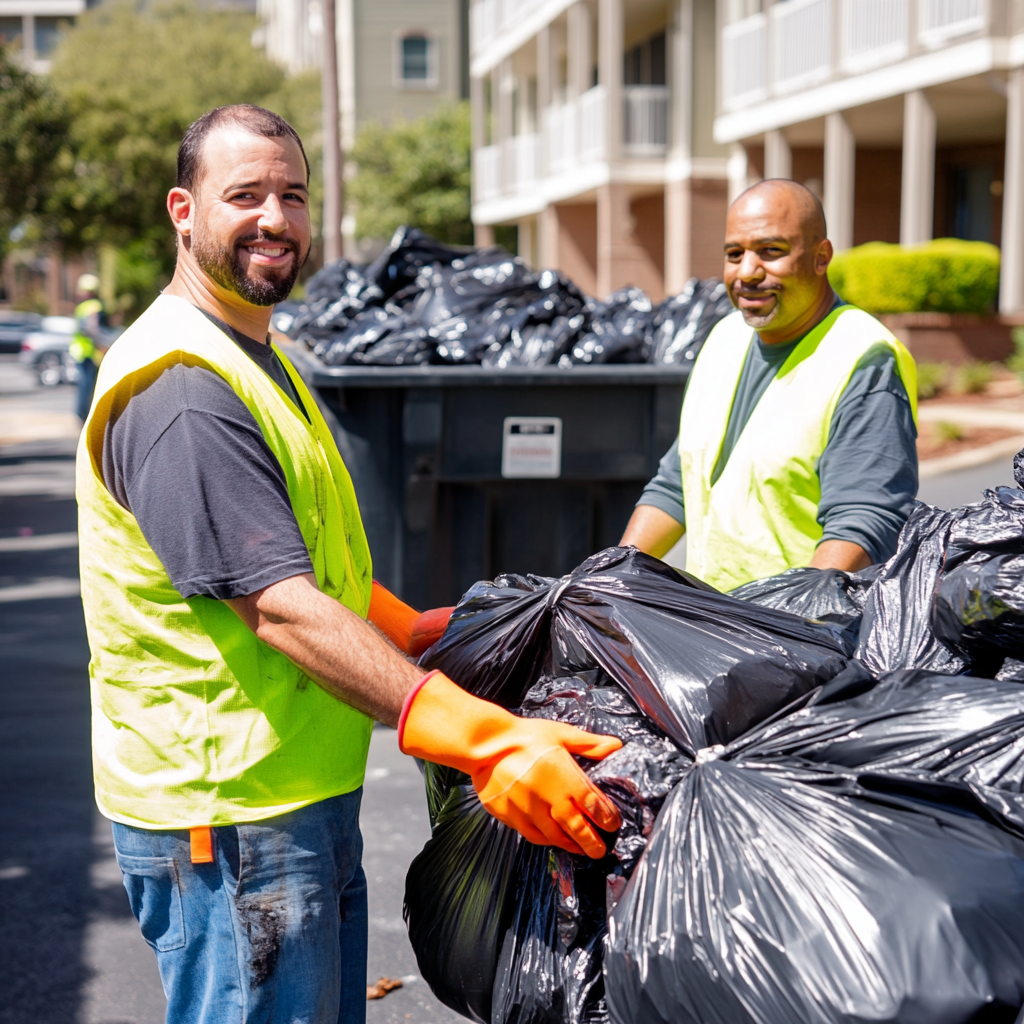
x=39, y=542
x=51, y=586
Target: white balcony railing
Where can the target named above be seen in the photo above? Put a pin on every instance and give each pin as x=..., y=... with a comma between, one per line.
x=489, y=18
x=487, y=173
x=941, y=20
x=744, y=69
x=525, y=162
x=592, y=125
x=792, y=47
x=874, y=32
x=483, y=23
x=561, y=137
x=645, y=120
x=802, y=34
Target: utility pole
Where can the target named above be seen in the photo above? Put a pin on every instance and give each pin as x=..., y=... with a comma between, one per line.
x=334, y=160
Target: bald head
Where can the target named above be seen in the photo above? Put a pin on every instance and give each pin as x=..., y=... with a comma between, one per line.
x=776, y=259
x=785, y=199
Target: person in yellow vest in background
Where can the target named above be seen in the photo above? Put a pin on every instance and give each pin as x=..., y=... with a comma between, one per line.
x=226, y=583
x=797, y=436
x=87, y=344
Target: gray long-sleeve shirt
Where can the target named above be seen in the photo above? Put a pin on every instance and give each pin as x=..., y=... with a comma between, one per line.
x=868, y=471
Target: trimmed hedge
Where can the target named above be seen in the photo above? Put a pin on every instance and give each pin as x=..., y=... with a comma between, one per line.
x=947, y=275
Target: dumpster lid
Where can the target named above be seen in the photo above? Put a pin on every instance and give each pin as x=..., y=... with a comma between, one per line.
x=318, y=374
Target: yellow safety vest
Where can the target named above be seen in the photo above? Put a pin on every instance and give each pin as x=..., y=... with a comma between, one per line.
x=82, y=347
x=760, y=517
x=195, y=720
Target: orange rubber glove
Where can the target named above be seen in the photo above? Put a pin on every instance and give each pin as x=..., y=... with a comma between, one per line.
x=406, y=628
x=521, y=768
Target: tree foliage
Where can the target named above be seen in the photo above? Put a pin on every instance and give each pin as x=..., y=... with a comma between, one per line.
x=416, y=173
x=126, y=81
x=34, y=129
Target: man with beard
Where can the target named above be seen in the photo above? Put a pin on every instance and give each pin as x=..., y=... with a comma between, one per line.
x=226, y=583
x=797, y=438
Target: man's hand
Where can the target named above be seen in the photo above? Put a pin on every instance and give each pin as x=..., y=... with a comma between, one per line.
x=652, y=531
x=331, y=644
x=521, y=767
x=840, y=554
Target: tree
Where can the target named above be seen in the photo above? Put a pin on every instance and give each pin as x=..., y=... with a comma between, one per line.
x=416, y=173
x=132, y=79
x=34, y=128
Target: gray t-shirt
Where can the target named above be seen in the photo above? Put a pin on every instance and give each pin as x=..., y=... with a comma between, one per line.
x=189, y=461
x=868, y=471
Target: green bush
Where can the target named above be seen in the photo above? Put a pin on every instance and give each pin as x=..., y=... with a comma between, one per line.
x=931, y=379
x=973, y=378
x=947, y=275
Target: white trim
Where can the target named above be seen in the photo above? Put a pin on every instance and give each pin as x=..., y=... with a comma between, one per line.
x=573, y=184
x=42, y=8
x=973, y=58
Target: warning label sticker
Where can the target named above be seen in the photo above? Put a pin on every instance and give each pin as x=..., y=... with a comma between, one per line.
x=532, y=447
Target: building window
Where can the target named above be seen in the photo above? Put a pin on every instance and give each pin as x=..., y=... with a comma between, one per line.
x=10, y=32
x=416, y=61
x=645, y=63
x=47, y=34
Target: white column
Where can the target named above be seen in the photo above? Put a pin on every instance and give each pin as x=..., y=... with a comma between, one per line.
x=840, y=163
x=28, y=39
x=505, y=99
x=1011, y=275
x=545, y=69
x=737, y=171
x=609, y=72
x=918, y=196
x=778, y=157
x=578, y=50
x=477, y=113
x=678, y=229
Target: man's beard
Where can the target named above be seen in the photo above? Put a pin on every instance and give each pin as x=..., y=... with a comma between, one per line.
x=224, y=265
x=759, y=320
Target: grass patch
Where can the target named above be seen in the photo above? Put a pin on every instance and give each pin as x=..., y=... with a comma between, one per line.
x=946, y=430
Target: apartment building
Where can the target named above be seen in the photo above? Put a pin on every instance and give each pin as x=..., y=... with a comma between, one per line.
x=906, y=115
x=32, y=26
x=593, y=135
x=396, y=59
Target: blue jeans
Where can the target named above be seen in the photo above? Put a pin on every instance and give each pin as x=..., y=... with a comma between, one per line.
x=86, y=386
x=274, y=930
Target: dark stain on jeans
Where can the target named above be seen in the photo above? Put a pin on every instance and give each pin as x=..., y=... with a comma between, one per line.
x=264, y=917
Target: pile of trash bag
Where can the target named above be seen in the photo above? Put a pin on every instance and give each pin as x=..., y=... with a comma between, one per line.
x=821, y=785
x=950, y=600
x=422, y=301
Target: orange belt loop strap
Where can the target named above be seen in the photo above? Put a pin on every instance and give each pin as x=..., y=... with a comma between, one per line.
x=201, y=843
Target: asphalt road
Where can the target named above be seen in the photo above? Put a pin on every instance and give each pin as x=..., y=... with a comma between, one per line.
x=70, y=952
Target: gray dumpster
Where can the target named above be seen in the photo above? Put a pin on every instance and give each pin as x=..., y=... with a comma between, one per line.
x=463, y=472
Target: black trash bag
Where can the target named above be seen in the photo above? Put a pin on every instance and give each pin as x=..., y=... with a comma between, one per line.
x=617, y=331
x=829, y=595
x=979, y=598
x=859, y=859
x=460, y=896
x=896, y=629
x=703, y=666
x=410, y=250
x=547, y=967
x=682, y=323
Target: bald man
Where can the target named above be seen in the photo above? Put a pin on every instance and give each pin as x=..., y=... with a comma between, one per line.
x=797, y=436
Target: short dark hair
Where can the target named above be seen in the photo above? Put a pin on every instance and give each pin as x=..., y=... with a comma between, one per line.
x=253, y=119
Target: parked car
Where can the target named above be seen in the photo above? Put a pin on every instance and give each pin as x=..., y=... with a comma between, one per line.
x=46, y=351
x=15, y=324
